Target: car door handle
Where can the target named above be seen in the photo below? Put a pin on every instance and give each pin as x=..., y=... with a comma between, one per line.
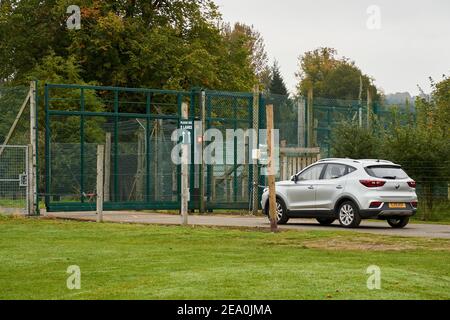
x=311, y=187
x=339, y=187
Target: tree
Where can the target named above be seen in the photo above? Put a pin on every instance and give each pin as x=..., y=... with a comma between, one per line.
x=277, y=84
x=256, y=46
x=349, y=140
x=331, y=77
x=170, y=44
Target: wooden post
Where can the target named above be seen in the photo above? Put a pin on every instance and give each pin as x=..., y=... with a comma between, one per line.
x=301, y=122
x=271, y=170
x=184, y=173
x=107, y=172
x=310, y=117
x=100, y=164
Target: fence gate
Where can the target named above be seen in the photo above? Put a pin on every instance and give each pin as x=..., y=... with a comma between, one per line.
x=13, y=177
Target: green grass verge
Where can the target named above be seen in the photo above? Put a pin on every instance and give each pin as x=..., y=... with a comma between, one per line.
x=120, y=261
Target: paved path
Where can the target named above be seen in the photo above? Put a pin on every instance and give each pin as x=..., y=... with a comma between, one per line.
x=411, y=230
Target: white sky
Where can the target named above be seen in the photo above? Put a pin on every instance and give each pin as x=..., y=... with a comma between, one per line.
x=412, y=44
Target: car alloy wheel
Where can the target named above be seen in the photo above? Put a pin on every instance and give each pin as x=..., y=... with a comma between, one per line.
x=349, y=215
x=279, y=211
x=346, y=215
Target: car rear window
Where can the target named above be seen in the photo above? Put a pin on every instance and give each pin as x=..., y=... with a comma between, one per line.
x=386, y=172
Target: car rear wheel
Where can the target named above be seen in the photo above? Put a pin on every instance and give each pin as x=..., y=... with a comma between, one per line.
x=398, y=222
x=349, y=215
x=325, y=221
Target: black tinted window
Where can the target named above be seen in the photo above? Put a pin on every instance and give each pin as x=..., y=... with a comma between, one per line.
x=386, y=172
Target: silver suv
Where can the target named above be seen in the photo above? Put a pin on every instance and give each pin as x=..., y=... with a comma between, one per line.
x=348, y=190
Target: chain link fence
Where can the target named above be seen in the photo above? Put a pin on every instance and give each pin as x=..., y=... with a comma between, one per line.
x=13, y=177
x=14, y=138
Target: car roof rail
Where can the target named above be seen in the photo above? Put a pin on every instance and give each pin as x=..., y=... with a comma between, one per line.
x=328, y=159
x=376, y=160
x=334, y=159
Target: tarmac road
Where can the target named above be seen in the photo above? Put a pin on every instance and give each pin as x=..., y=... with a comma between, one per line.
x=411, y=230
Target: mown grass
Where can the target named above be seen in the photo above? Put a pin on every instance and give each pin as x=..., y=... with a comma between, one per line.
x=120, y=261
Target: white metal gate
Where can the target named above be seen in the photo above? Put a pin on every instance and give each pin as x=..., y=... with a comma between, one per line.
x=14, y=191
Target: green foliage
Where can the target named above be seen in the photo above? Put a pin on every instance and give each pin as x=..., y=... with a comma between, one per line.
x=277, y=84
x=331, y=77
x=11, y=99
x=170, y=44
x=348, y=140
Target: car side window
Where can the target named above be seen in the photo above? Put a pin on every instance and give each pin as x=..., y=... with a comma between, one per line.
x=334, y=171
x=312, y=173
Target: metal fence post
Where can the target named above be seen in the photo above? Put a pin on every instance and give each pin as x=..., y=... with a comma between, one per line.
x=33, y=207
x=255, y=176
x=100, y=165
x=184, y=172
x=202, y=166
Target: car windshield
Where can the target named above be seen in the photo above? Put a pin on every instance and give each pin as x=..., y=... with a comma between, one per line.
x=386, y=172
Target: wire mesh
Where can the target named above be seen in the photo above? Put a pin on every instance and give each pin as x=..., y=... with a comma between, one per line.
x=13, y=177
x=11, y=100
x=229, y=182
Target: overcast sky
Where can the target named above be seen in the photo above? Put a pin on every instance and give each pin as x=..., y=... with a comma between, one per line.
x=412, y=43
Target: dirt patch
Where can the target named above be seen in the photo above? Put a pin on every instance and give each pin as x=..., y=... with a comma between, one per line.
x=358, y=244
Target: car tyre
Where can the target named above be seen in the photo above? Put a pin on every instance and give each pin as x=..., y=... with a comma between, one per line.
x=348, y=215
x=281, y=211
x=325, y=221
x=399, y=222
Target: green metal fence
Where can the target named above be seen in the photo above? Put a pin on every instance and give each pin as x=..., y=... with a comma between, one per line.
x=136, y=125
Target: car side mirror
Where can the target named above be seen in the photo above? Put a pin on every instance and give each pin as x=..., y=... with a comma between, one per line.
x=294, y=178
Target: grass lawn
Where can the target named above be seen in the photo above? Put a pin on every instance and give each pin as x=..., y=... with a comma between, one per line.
x=121, y=261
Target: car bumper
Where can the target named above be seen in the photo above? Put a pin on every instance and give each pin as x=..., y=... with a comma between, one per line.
x=385, y=212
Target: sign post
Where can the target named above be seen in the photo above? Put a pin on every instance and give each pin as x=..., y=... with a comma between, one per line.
x=187, y=127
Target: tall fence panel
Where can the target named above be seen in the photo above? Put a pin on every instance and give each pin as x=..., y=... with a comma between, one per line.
x=135, y=125
x=13, y=176
x=229, y=182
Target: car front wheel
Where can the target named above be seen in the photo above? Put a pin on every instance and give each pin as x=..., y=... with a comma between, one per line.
x=398, y=222
x=348, y=215
x=280, y=211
